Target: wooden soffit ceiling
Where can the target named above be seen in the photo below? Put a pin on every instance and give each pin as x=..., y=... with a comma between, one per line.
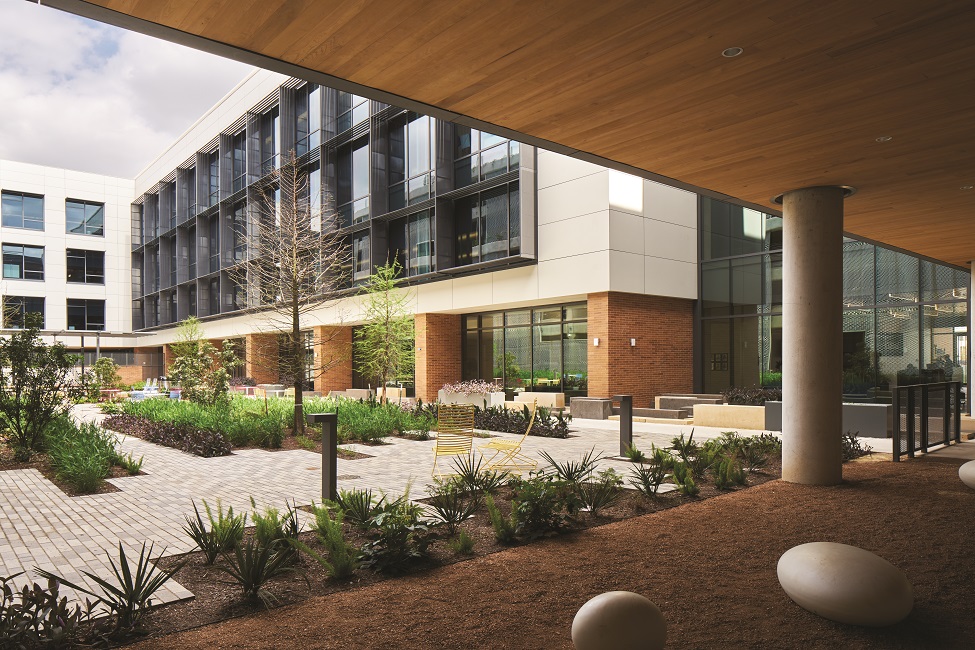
x=644, y=84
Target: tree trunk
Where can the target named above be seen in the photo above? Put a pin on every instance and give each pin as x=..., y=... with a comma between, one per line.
x=298, y=367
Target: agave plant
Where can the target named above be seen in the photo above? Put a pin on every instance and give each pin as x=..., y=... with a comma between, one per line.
x=131, y=595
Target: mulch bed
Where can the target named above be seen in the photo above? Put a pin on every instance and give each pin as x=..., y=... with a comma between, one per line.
x=217, y=600
x=709, y=565
x=42, y=464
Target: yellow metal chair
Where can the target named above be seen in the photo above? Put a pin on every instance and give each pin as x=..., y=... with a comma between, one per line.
x=507, y=454
x=455, y=431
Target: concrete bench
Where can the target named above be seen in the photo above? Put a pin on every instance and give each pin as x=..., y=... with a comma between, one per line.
x=591, y=408
x=687, y=402
x=550, y=401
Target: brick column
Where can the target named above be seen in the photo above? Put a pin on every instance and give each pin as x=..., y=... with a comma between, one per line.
x=438, y=350
x=662, y=361
x=261, y=358
x=333, y=349
x=168, y=358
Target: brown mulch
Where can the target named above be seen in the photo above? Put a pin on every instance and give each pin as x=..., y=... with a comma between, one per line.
x=709, y=565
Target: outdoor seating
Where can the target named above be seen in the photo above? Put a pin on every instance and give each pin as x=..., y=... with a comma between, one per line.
x=508, y=455
x=455, y=431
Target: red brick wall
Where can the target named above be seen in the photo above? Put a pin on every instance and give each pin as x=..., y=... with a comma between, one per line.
x=168, y=358
x=131, y=374
x=662, y=360
x=261, y=358
x=438, y=353
x=333, y=347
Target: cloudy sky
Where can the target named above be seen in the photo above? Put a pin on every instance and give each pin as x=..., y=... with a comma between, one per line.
x=83, y=95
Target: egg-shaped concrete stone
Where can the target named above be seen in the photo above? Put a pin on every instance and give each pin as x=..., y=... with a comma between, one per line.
x=967, y=474
x=621, y=620
x=846, y=584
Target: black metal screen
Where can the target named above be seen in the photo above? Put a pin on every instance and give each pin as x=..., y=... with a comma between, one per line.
x=926, y=416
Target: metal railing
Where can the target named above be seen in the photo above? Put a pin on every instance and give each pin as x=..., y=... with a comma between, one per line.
x=925, y=416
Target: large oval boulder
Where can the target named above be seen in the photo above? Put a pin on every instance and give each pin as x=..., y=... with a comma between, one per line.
x=845, y=584
x=621, y=620
x=967, y=474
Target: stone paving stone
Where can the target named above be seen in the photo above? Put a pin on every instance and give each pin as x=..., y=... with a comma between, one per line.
x=42, y=527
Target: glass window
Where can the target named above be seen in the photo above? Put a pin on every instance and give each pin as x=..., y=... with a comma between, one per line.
x=19, y=210
x=238, y=143
x=360, y=257
x=86, y=315
x=14, y=308
x=352, y=110
x=858, y=273
x=308, y=116
x=551, y=355
x=86, y=267
x=213, y=178
x=483, y=228
x=23, y=262
x=190, y=252
x=729, y=230
x=270, y=141
x=352, y=180
x=480, y=156
x=238, y=230
x=85, y=217
x=897, y=277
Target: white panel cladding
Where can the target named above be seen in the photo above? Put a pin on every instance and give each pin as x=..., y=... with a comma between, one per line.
x=247, y=94
x=554, y=168
x=56, y=185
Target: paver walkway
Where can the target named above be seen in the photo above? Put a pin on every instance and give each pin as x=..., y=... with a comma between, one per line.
x=42, y=527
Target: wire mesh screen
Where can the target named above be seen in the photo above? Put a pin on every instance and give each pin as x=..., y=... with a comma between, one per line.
x=925, y=416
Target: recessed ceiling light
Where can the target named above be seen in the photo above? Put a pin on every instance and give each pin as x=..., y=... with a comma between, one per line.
x=967, y=187
x=732, y=52
x=885, y=138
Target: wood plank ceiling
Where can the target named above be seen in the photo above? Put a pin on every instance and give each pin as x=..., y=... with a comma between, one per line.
x=645, y=84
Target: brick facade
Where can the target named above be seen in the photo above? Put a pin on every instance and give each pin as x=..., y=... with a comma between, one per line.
x=438, y=353
x=131, y=374
x=662, y=360
x=261, y=358
x=333, y=349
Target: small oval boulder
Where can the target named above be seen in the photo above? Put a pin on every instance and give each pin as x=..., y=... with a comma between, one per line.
x=621, y=620
x=845, y=584
x=967, y=474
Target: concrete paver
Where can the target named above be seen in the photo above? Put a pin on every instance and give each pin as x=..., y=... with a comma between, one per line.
x=42, y=527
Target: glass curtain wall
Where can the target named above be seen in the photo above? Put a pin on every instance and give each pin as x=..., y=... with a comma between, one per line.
x=904, y=318
x=540, y=349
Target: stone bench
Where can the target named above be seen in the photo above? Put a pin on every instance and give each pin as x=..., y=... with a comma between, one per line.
x=591, y=408
x=685, y=402
x=550, y=401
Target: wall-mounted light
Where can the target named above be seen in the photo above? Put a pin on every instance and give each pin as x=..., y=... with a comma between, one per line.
x=595, y=342
x=632, y=343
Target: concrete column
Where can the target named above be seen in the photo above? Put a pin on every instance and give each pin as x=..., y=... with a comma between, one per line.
x=812, y=332
x=971, y=330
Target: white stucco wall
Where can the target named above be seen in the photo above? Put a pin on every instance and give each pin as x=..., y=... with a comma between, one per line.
x=56, y=185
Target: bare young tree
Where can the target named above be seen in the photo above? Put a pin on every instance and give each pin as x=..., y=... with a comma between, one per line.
x=294, y=262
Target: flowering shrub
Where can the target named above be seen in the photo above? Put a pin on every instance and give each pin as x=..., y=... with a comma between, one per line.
x=471, y=387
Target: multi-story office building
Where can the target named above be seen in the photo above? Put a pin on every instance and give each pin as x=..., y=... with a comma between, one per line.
x=65, y=241
x=526, y=267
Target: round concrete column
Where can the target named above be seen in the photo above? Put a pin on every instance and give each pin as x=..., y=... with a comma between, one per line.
x=812, y=335
x=971, y=330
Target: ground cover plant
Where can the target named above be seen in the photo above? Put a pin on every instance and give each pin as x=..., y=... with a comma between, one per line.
x=367, y=536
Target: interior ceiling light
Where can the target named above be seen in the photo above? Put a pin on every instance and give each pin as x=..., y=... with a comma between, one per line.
x=732, y=52
x=966, y=187
x=885, y=138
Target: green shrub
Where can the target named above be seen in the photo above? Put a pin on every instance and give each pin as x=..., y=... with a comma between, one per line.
x=398, y=539
x=81, y=455
x=462, y=544
x=647, y=478
x=684, y=478
x=130, y=464
x=504, y=527
x=251, y=565
x=753, y=396
x=470, y=475
x=305, y=442
x=574, y=471
x=634, y=454
x=224, y=533
x=542, y=505
x=273, y=529
x=343, y=557
x=602, y=492
x=451, y=505
x=358, y=506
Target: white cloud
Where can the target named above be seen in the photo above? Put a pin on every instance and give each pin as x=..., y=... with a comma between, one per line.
x=82, y=95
